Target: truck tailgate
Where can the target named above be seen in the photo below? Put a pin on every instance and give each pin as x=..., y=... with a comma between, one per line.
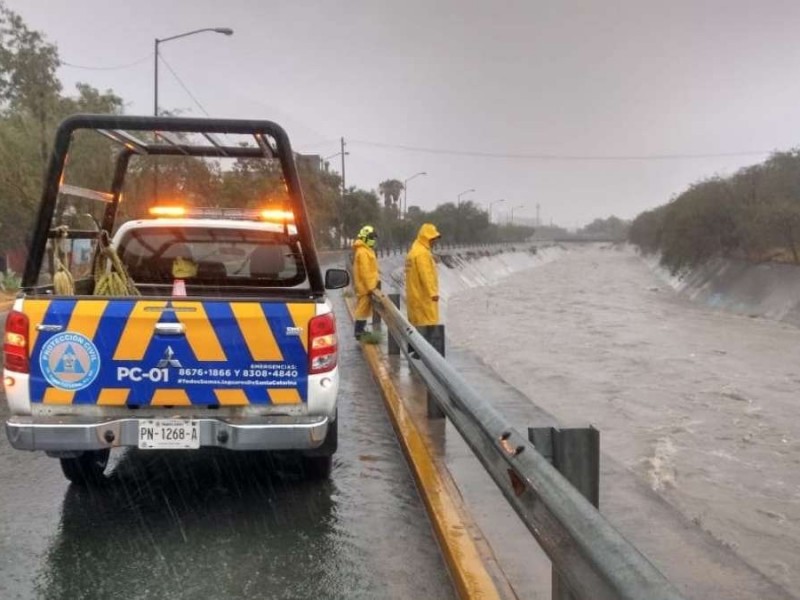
x=137, y=352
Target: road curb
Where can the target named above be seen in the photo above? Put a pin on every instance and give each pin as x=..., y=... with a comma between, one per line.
x=467, y=569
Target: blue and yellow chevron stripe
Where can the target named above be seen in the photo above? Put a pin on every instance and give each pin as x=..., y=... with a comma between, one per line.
x=92, y=351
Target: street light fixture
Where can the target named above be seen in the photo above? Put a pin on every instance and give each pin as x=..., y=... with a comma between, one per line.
x=461, y=194
x=490, y=207
x=324, y=159
x=458, y=214
x=404, y=212
x=222, y=30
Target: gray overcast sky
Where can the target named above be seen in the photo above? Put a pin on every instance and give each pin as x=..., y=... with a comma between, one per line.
x=601, y=78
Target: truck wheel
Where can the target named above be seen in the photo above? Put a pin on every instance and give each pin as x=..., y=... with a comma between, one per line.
x=319, y=462
x=318, y=467
x=86, y=469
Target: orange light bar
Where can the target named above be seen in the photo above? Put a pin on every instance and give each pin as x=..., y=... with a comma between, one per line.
x=277, y=215
x=168, y=211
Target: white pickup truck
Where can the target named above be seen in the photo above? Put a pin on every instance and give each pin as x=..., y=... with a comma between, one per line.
x=239, y=352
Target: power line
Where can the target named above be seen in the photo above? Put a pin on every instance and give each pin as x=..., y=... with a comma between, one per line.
x=114, y=68
x=307, y=147
x=561, y=157
x=183, y=85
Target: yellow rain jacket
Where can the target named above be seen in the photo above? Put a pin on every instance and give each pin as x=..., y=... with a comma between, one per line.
x=365, y=277
x=422, y=282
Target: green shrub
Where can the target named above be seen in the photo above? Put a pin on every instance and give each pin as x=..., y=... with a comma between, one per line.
x=372, y=337
x=10, y=281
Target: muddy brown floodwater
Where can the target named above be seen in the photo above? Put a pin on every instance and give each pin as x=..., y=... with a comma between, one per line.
x=700, y=404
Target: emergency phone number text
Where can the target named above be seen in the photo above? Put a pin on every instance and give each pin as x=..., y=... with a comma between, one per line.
x=199, y=372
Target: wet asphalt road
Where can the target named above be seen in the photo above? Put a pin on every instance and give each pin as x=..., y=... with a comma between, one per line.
x=225, y=525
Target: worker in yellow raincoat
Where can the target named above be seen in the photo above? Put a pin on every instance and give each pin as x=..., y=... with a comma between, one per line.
x=422, y=281
x=365, y=275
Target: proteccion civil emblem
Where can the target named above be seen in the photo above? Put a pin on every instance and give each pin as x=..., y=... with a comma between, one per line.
x=69, y=361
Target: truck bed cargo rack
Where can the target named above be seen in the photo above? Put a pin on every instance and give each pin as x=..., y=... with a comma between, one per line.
x=167, y=136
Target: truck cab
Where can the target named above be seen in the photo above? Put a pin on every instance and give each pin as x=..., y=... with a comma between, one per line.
x=205, y=326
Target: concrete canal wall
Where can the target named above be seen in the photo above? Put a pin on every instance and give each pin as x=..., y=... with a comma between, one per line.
x=462, y=269
x=766, y=290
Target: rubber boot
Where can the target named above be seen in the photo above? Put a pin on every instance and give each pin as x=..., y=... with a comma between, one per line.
x=360, y=329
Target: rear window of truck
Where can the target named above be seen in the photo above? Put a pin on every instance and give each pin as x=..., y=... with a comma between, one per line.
x=235, y=257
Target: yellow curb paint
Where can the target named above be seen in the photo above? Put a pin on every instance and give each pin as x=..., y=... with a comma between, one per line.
x=467, y=568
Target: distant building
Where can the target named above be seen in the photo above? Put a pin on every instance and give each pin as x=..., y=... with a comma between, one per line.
x=312, y=162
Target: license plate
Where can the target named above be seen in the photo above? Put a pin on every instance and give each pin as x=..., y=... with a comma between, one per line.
x=168, y=434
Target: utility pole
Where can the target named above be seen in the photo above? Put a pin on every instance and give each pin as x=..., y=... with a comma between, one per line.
x=155, y=114
x=341, y=209
x=155, y=82
x=343, y=184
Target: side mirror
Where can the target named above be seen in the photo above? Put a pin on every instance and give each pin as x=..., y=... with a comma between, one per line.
x=336, y=278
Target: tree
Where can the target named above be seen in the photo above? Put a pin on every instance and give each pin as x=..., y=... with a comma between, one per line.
x=462, y=223
x=752, y=215
x=391, y=189
x=612, y=227
x=28, y=98
x=91, y=158
x=645, y=231
x=323, y=199
x=28, y=82
x=360, y=208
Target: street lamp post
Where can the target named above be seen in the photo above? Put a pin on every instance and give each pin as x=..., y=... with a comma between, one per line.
x=324, y=159
x=458, y=214
x=404, y=212
x=512, y=211
x=222, y=30
x=458, y=202
x=490, y=207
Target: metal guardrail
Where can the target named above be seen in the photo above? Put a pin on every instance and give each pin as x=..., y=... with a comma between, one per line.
x=382, y=251
x=591, y=558
x=389, y=250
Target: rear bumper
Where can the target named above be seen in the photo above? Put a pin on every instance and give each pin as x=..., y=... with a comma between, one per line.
x=60, y=434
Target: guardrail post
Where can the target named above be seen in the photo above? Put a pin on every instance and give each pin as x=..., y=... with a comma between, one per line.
x=434, y=334
x=575, y=452
x=392, y=346
x=376, y=316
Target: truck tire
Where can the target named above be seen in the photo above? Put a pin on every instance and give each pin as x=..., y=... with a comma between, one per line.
x=86, y=469
x=319, y=462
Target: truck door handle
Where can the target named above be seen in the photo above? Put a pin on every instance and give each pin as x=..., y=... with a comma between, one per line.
x=52, y=328
x=170, y=328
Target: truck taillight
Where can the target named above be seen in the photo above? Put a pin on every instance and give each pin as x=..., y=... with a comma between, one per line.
x=321, y=344
x=15, y=347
